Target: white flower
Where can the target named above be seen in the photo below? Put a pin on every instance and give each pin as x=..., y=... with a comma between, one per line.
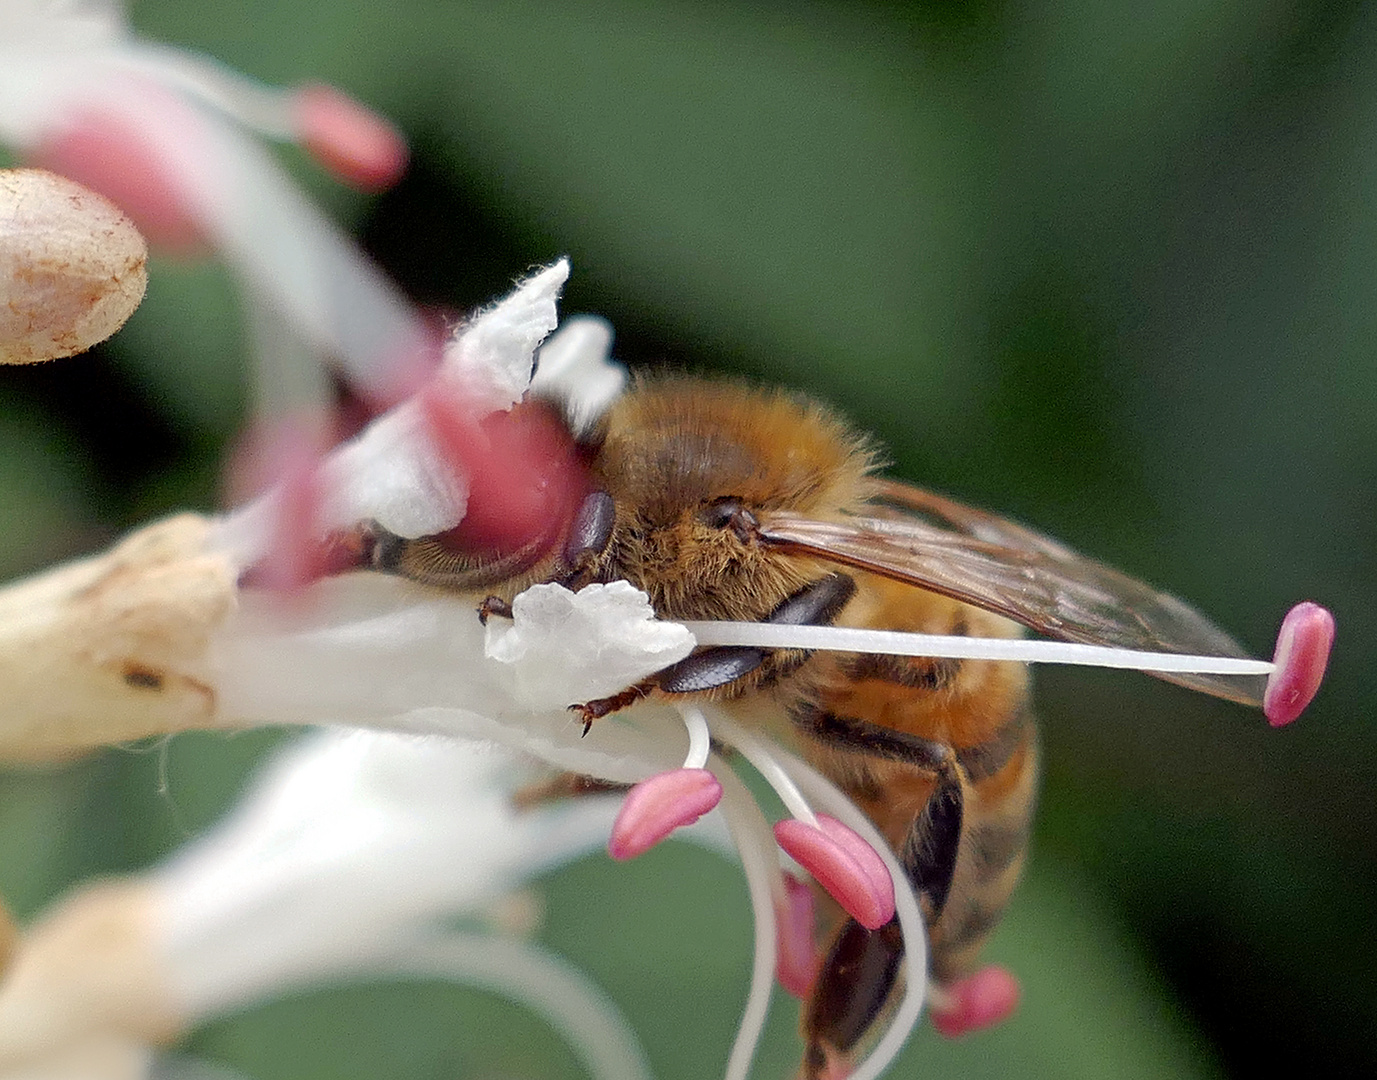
x=345, y=860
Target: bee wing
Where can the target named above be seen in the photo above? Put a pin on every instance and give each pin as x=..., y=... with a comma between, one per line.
x=991, y=563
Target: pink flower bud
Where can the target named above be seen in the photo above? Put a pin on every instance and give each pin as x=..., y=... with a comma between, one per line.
x=351, y=141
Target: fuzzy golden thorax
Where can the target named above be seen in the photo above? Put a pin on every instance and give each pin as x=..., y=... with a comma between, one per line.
x=674, y=449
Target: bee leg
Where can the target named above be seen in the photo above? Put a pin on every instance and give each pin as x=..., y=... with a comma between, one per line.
x=818, y=603
x=565, y=785
x=600, y=707
x=589, y=534
x=856, y=979
x=709, y=668
x=493, y=605
x=930, y=851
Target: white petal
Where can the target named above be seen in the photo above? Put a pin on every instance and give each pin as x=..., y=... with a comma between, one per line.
x=392, y=475
x=565, y=647
x=374, y=650
x=345, y=842
x=492, y=356
x=577, y=371
x=54, y=23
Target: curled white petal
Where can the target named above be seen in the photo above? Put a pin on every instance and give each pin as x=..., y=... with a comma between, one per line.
x=492, y=357
x=563, y=648
x=393, y=475
x=577, y=371
x=373, y=650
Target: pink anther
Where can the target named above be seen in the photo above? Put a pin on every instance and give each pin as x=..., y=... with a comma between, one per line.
x=797, y=960
x=1302, y=653
x=109, y=154
x=521, y=468
x=351, y=141
x=657, y=806
x=845, y=865
x=978, y=1001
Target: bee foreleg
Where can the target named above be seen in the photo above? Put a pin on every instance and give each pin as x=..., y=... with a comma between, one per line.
x=816, y=603
x=600, y=707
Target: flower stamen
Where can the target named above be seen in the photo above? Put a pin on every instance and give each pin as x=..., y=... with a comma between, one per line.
x=1025, y=650
x=767, y=765
x=700, y=738
x=1302, y=654
x=797, y=959
x=667, y=801
x=845, y=865
x=981, y=1000
x=842, y=863
x=657, y=806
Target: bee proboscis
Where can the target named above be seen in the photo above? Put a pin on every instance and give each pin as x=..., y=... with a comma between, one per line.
x=723, y=502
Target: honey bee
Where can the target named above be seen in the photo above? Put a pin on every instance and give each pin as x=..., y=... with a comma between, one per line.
x=723, y=502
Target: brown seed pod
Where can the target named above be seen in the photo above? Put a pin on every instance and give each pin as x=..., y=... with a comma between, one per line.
x=72, y=267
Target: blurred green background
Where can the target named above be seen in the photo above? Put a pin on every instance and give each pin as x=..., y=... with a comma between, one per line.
x=1107, y=268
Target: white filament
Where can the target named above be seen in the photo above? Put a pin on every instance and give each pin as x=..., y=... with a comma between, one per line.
x=763, y=760
x=1027, y=650
x=826, y=794
x=700, y=740
x=751, y=834
x=548, y=986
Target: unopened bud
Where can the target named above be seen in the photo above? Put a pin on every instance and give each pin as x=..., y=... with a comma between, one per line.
x=72, y=267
